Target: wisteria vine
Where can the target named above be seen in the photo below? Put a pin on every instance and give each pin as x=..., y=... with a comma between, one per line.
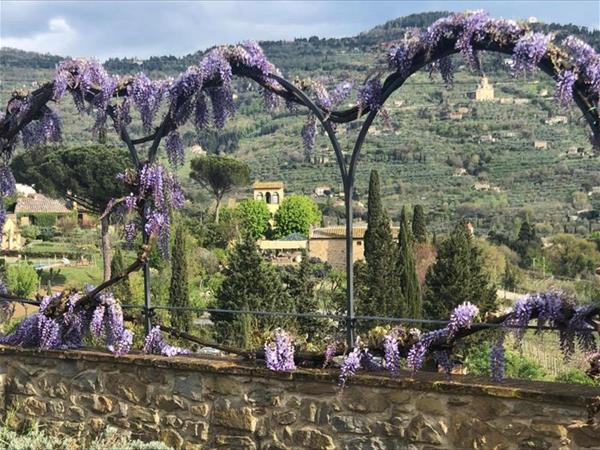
x=203, y=94
x=575, y=324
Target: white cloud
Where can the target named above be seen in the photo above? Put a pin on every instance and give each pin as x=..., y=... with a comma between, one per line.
x=58, y=38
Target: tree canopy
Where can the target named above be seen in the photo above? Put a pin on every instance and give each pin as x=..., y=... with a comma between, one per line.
x=88, y=172
x=295, y=215
x=219, y=175
x=253, y=216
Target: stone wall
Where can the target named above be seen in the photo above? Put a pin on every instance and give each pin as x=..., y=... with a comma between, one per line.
x=195, y=403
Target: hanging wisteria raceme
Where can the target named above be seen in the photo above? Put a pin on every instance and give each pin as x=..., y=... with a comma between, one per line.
x=175, y=150
x=107, y=326
x=564, y=87
x=391, y=351
x=309, y=137
x=497, y=362
x=369, y=95
x=39, y=132
x=279, y=352
x=529, y=51
x=586, y=59
x=329, y=353
x=155, y=344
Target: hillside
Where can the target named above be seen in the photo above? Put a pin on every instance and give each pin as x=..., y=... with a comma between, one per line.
x=435, y=132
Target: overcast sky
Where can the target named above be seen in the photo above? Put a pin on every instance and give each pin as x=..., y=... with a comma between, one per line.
x=145, y=28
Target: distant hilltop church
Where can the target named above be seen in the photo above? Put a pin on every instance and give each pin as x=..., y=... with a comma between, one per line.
x=484, y=91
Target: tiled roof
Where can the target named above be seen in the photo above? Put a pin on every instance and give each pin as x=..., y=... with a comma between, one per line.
x=267, y=185
x=339, y=232
x=38, y=203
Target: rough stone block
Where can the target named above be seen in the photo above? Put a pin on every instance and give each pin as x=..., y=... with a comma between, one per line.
x=237, y=442
x=313, y=439
x=227, y=415
x=351, y=424
x=189, y=386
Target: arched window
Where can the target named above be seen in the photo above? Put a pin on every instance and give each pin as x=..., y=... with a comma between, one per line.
x=268, y=197
x=275, y=198
x=259, y=196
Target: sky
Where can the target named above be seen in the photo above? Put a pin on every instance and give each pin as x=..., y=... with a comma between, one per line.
x=142, y=28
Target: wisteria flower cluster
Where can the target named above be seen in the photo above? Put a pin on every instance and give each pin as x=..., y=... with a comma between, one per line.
x=157, y=192
x=155, y=344
x=391, y=352
x=548, y=308
x=461, y=318
x=279, y=352
x=359, y=357
x=107, y=325
x=325, y=99
x=67, y=330
x=329, y=354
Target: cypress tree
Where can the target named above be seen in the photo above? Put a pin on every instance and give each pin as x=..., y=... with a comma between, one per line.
x=179, y=292
x=250, y=284
x=382, y=297
x=300, y=284
x=419, y=229
x=121, y=290
x=457, y=276
x=407, y=273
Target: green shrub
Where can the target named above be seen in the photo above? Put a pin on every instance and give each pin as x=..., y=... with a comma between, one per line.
x=45, y=219
x=36, y=439
x=47, y=233
x=22, y=279
x=517, y=366
x=575, y=376
x=30, y=232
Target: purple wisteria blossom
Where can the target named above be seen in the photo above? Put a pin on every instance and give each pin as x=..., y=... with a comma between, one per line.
x=350, y=365
x=473, y=29
x=564, y=87
x=369, y=95
x=309, y=136
x=156, y=344
x=497, y=362
x=279, y=352
x=146, y=95
x=529, y=51
x=401, y=56
x=357, y=358
x=175, y=151
x=391, y=360
x=586, y=59
x=330, y=351
x=461, y=318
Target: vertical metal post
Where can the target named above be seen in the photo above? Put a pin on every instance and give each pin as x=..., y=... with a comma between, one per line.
x=350, y=331
x=147, y=305
x=147, y=311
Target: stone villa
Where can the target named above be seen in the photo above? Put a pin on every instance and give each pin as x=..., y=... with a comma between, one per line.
x=270, y=192
x=329, y=244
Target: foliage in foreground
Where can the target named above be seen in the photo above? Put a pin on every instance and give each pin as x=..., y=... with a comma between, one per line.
x=37, y=439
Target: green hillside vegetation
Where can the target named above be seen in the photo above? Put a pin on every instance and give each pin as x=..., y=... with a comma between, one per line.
x=417, y=157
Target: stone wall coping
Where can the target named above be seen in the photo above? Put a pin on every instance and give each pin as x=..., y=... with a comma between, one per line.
x=539, y=391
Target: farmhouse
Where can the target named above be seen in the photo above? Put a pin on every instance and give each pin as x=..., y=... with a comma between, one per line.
x=37, y=209
x=329, y=244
